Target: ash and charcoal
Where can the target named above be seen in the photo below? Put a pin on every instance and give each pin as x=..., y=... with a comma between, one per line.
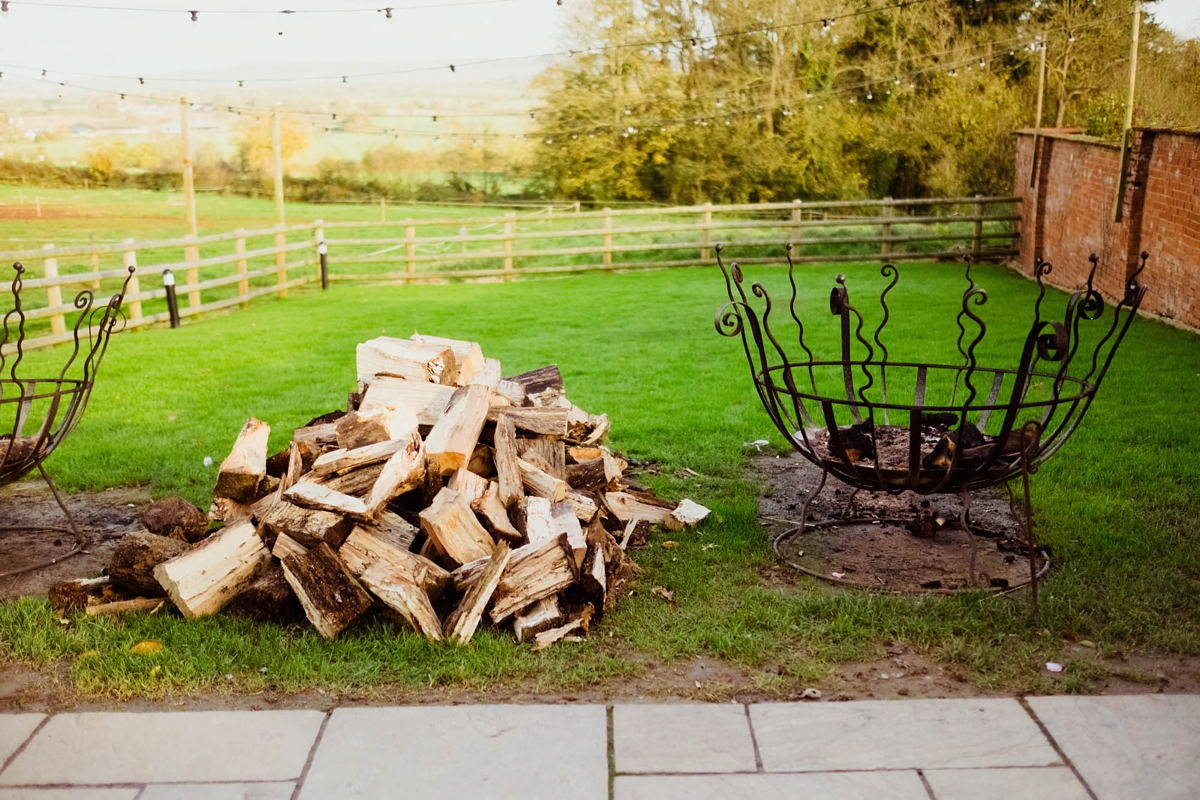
x=944, y=443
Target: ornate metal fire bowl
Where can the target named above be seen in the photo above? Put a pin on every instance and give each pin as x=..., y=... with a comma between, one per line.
x=884, y=425
x=37, y=414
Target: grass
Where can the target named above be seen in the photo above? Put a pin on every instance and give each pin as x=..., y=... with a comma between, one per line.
x=1116, y=505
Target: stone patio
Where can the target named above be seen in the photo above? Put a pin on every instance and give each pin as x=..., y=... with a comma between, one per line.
x=1141, y=746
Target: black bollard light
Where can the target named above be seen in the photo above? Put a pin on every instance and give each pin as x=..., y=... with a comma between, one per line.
x=172, y=300
x=322, y=250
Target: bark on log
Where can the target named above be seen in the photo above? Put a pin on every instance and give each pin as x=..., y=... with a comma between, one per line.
x=244, y=470
x=202, y=580
x=331, y=597
x=540, y=616
x=464, y=620
x=539, y=421
x=268, y=598
x=508, y=469
x=309, y=528
x=588, y=474
x=543, y=387
x=403, y=358
x=136, y=556
x=549, y=451
x=367, y=548
x=176, y=518
x=547, y=569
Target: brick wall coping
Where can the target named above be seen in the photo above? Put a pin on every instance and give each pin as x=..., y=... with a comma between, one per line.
x=1069, y=134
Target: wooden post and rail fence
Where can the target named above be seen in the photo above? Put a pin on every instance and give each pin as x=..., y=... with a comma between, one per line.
x=231, y=269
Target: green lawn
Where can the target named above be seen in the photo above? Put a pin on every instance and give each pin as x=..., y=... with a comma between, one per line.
x=1117, y=504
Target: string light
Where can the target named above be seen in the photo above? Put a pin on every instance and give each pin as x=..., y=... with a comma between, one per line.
x=195, y=16
x=4, y=7
x=387, y=12
x=452, y=68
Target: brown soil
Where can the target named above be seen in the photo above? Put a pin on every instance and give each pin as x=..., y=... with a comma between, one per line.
x=48, y=211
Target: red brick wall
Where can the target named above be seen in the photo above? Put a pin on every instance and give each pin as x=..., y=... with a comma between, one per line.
x=1067, y=215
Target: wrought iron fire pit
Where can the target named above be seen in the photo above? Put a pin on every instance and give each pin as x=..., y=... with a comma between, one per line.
x=37, y=414
x=882, y=425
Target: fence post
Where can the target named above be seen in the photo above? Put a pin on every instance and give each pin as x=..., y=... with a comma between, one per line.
x=53, y=293
x=95, y=264
x=576, y=206
x=191, y=254
x=319, y=246
x=129, y=259
x=410, y=249
x=797, y=216
x=383, y=209
x=607, y=258
x=281, y=259
x=885, y=230
x=239, y=247
x=706, y=233
x=510, y=228
x=977, y=242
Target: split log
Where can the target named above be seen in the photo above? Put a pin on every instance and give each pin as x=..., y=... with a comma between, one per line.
x=636, y=533
x=244, y=470
x=493, y=515
x=540, y=421
x=373, y=425
x=542, y=484
x=508, y=469
x=513, y=392
x=300, y=459
x=549, y=637
x=469, y=486
x=489, y=374
x=549, y=451
x=202, y=580
x=427, y=401
x=316, y=436
x=539, y=520
x=593, y=584
x=463, y=621
x=626, y=507
x=586, y=506
x=468, y=356
x=563, y=522
x=287, y=546
x=543, y=387
x=398, y=591
x=331, y=597
x=176, y=518
x=482, y=463
x=309, y=528
x=78, y=594
x=547, y=569
x=542, y=615
x=579, y=453
x=455, y=532
x=368, y=547
x=404, y=358
x=403, y=472
x=588, y=474
x=614, y=468
x=686, y=514
x=452, y=441
x=356, y=483
x=262, y=507
x=317, y=497
x=143, y=604
x=601, y=425
x=136, y=556
x=269, y=598
x=342, y=461
x=229, y=511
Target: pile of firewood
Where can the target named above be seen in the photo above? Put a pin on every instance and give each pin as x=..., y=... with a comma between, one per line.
x=445, y=493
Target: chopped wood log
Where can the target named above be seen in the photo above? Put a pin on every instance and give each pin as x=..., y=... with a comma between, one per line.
x=586, y=506
x=244, y=470
x=397, y=590
x=601, y=425
x=482, y=462
x=542, y=484
x=469, y=486
x=563, y=522
x=542, y=615
x=494, y=515
x=262, y=507
x=176, y=518
x=373, y=425
x=287, y=546
x=309, y=528
x=593, y=583
x=513, y=392
x=549, y=637
x=427, y=401
x=626, y=507
x=229, y=511
x=202, y=580
x=269, y=598
x=588, y=474
x=136, y=556
x=508, y=469
x=403, y=472
x=489, y=374
x=614, y=468
x=686, y=514
x=543, y=387
x=331, y=597
x=636, y=533
x=549, y=451
x=342, y=461
x=317, y=436
x=78, y=594
x=579, y=453
x=356, y=483
x=540, y=421
x=317, y=497
x=547, y=569
x=298, y=454
x=468, y=356
x=277, y=464
x=463, y=621
x=404, y=358
x=370, y=546
x=455, y=532
x=539, y=520
x=143, y=604
x=452, y=441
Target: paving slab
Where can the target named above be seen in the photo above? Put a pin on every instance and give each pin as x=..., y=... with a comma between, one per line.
x=14, y=730
x=1129, y=746
x=898, y=734
x=167, y=747
x=682, y=737
x=78, y=793
x=531, y=752
x=218, y=791
x=904, y=785
x=1026, y=783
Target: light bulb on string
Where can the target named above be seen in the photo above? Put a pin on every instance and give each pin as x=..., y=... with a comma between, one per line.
x=870, y=96
x=141, y=81
x=628, y=111
x=195, y=17
x=1070, y=36
x=387, y=12
x=345, y=78
x=452, y=68
x=4, y=7
x=241, y=84
x=435, y=117
x=44, y=73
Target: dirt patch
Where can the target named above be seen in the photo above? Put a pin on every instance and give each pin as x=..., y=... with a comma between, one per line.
x=104, y=517
x=30, y=211
x=880, y=552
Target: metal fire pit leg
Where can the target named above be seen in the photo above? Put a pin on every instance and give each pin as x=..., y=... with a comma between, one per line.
x=799, y=531
x=966, y=526
x=81, y=539
x=1030, y=534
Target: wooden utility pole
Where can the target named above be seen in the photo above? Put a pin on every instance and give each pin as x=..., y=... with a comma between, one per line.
x=280, y=217
x=1037, y=126
x=191, y=253
x=1127, y=130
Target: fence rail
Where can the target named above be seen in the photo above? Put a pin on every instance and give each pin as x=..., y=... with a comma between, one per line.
x=504, y=247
